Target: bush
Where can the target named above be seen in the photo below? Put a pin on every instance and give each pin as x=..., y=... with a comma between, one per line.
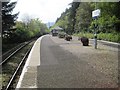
x=113, y=37
x=88, y=35
x=68, y=37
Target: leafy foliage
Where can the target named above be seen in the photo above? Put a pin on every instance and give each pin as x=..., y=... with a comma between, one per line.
x=78, y=19
x=30, y=30
x=8, y=19
x=67, y=19
x=83, y=17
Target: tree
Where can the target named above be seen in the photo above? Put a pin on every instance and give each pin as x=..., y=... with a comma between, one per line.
x=83, y=17
x=79, y=18
x=72, y=19
x=26, y=31
x=67, y=19
x=62, y=21
x=109, y=20
x=8, y=19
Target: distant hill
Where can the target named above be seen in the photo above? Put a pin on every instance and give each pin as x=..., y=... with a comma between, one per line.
x=50, y=24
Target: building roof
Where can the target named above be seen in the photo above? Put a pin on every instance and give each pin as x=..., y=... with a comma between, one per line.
x=58, y=28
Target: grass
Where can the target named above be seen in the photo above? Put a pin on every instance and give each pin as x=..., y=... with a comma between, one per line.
x=113, y=37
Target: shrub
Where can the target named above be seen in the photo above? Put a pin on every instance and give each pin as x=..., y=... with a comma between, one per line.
x=68, y=37
x=114, y=37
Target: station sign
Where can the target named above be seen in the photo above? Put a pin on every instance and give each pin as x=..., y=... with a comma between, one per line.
x=96, y=13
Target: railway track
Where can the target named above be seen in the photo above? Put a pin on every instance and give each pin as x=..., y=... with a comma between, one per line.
x=12, y=65
x=10, y=53
x=9, y=85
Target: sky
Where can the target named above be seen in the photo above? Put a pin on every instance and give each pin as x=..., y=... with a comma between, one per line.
x=45, y=10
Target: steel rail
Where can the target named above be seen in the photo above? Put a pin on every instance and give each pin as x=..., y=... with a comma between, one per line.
x=13, y=53
x=11, y=50
x=16, y=71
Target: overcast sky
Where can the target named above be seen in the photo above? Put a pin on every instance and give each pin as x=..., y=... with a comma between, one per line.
x=46, y=10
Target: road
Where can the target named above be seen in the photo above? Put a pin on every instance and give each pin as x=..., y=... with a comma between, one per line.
x=60, y=68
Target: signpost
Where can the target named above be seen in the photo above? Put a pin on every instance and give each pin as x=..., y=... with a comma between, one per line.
x=95, y=15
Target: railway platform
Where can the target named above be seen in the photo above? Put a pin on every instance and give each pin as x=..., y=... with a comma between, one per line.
x=29, y=76
x=67, y=64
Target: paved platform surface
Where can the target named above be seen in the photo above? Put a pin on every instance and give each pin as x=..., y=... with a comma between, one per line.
x=28, y=78
x=56, y=63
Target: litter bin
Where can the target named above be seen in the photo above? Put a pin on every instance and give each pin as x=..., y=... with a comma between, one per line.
x=85, y=41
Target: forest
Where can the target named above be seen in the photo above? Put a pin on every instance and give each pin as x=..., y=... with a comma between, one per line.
x=77, y=20
x=14, y=31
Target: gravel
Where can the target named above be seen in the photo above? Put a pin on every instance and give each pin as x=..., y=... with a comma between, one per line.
x=104, y=59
